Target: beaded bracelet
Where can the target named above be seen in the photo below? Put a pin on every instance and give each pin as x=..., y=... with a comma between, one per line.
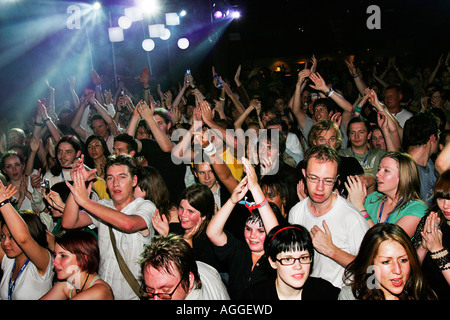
x=438, y=254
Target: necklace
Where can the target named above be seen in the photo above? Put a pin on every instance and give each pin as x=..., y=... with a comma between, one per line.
x=79, y=290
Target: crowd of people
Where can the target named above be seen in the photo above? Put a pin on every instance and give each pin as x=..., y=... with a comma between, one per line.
x=318, y=187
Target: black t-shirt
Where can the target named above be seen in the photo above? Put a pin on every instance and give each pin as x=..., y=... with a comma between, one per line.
x=173, y=174
x=238, y=258
x=313, y=289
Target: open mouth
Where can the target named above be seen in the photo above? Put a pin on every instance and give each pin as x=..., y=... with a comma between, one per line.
x=398, y=282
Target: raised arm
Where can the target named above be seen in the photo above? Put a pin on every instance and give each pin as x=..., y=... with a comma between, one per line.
x=215, y=228
x=297, y=110
x=265, y=211
x=160, y=137
x=38, y=255
x=360, y=85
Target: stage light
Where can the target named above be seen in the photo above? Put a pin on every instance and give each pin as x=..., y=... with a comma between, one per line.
x=96, y=5
x=148, y=44
x=183, y=43
x=115, y=34
x=218, y=14
x=124, y=22
x=134, y=13
x=235, y=14
x=172, y=19
x=156, y=30
x=148, y=6
x=182, y=13
x=166, y=34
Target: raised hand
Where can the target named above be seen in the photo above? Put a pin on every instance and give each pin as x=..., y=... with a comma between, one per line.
x=144, y=77
x=96, y=78
x=160, y=223
x=432, y=234
x=240, y=191
x=357, y=191
x=319, y=83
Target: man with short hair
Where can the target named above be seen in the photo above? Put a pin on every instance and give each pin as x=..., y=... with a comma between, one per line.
x=359, y=135
x=392, y=97
x=336, y=226
x=421, y=141
x=128, y=217
x=170, y=272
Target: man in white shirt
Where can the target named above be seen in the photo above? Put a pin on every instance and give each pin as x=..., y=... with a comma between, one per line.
x=129, y=218
x=337, y=228
x=392, y=97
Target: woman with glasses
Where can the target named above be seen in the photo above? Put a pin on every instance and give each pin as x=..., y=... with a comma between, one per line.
x=397, y=199
x=386, y=268
x=290, y=251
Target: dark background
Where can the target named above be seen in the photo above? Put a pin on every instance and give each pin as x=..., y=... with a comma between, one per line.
x=35, y=44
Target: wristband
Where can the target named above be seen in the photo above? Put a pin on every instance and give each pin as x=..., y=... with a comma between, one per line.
x=251, y=205
x=148, y=88
x=6, y=201
x=210, y=149
x=357, y=75
x=329, y=92
x=220, y=98
x=98, y=88
x=358, y=109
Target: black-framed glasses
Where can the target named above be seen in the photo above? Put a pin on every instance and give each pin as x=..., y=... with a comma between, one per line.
x=316, y=179
x=290, y=261
x=161, y=295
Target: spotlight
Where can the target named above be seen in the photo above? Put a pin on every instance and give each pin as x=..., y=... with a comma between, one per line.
x=124, y=22
x=235, y=14
x=172, y=19
x=115, y=34
x=166, y=34
x=96, y=5
x=218, y=14
x=156, y=30
x=148, y=6
x=183, y=43
x=182, y=13
x=148, y=45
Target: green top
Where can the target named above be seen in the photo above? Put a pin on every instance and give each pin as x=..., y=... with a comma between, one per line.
x=414, y=208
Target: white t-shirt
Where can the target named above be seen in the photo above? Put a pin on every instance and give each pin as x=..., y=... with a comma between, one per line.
x=212, y=286
x=130, y=246
x=402, y=116
x=30, y=284
x=347, y=228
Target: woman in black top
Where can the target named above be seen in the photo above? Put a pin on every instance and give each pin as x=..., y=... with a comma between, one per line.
x=246, y=260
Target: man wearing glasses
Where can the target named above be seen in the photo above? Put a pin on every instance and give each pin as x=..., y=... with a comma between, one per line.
x=336, y=226
x=170, y=272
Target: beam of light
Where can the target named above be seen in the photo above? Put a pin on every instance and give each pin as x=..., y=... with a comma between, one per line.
x=97, y=5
